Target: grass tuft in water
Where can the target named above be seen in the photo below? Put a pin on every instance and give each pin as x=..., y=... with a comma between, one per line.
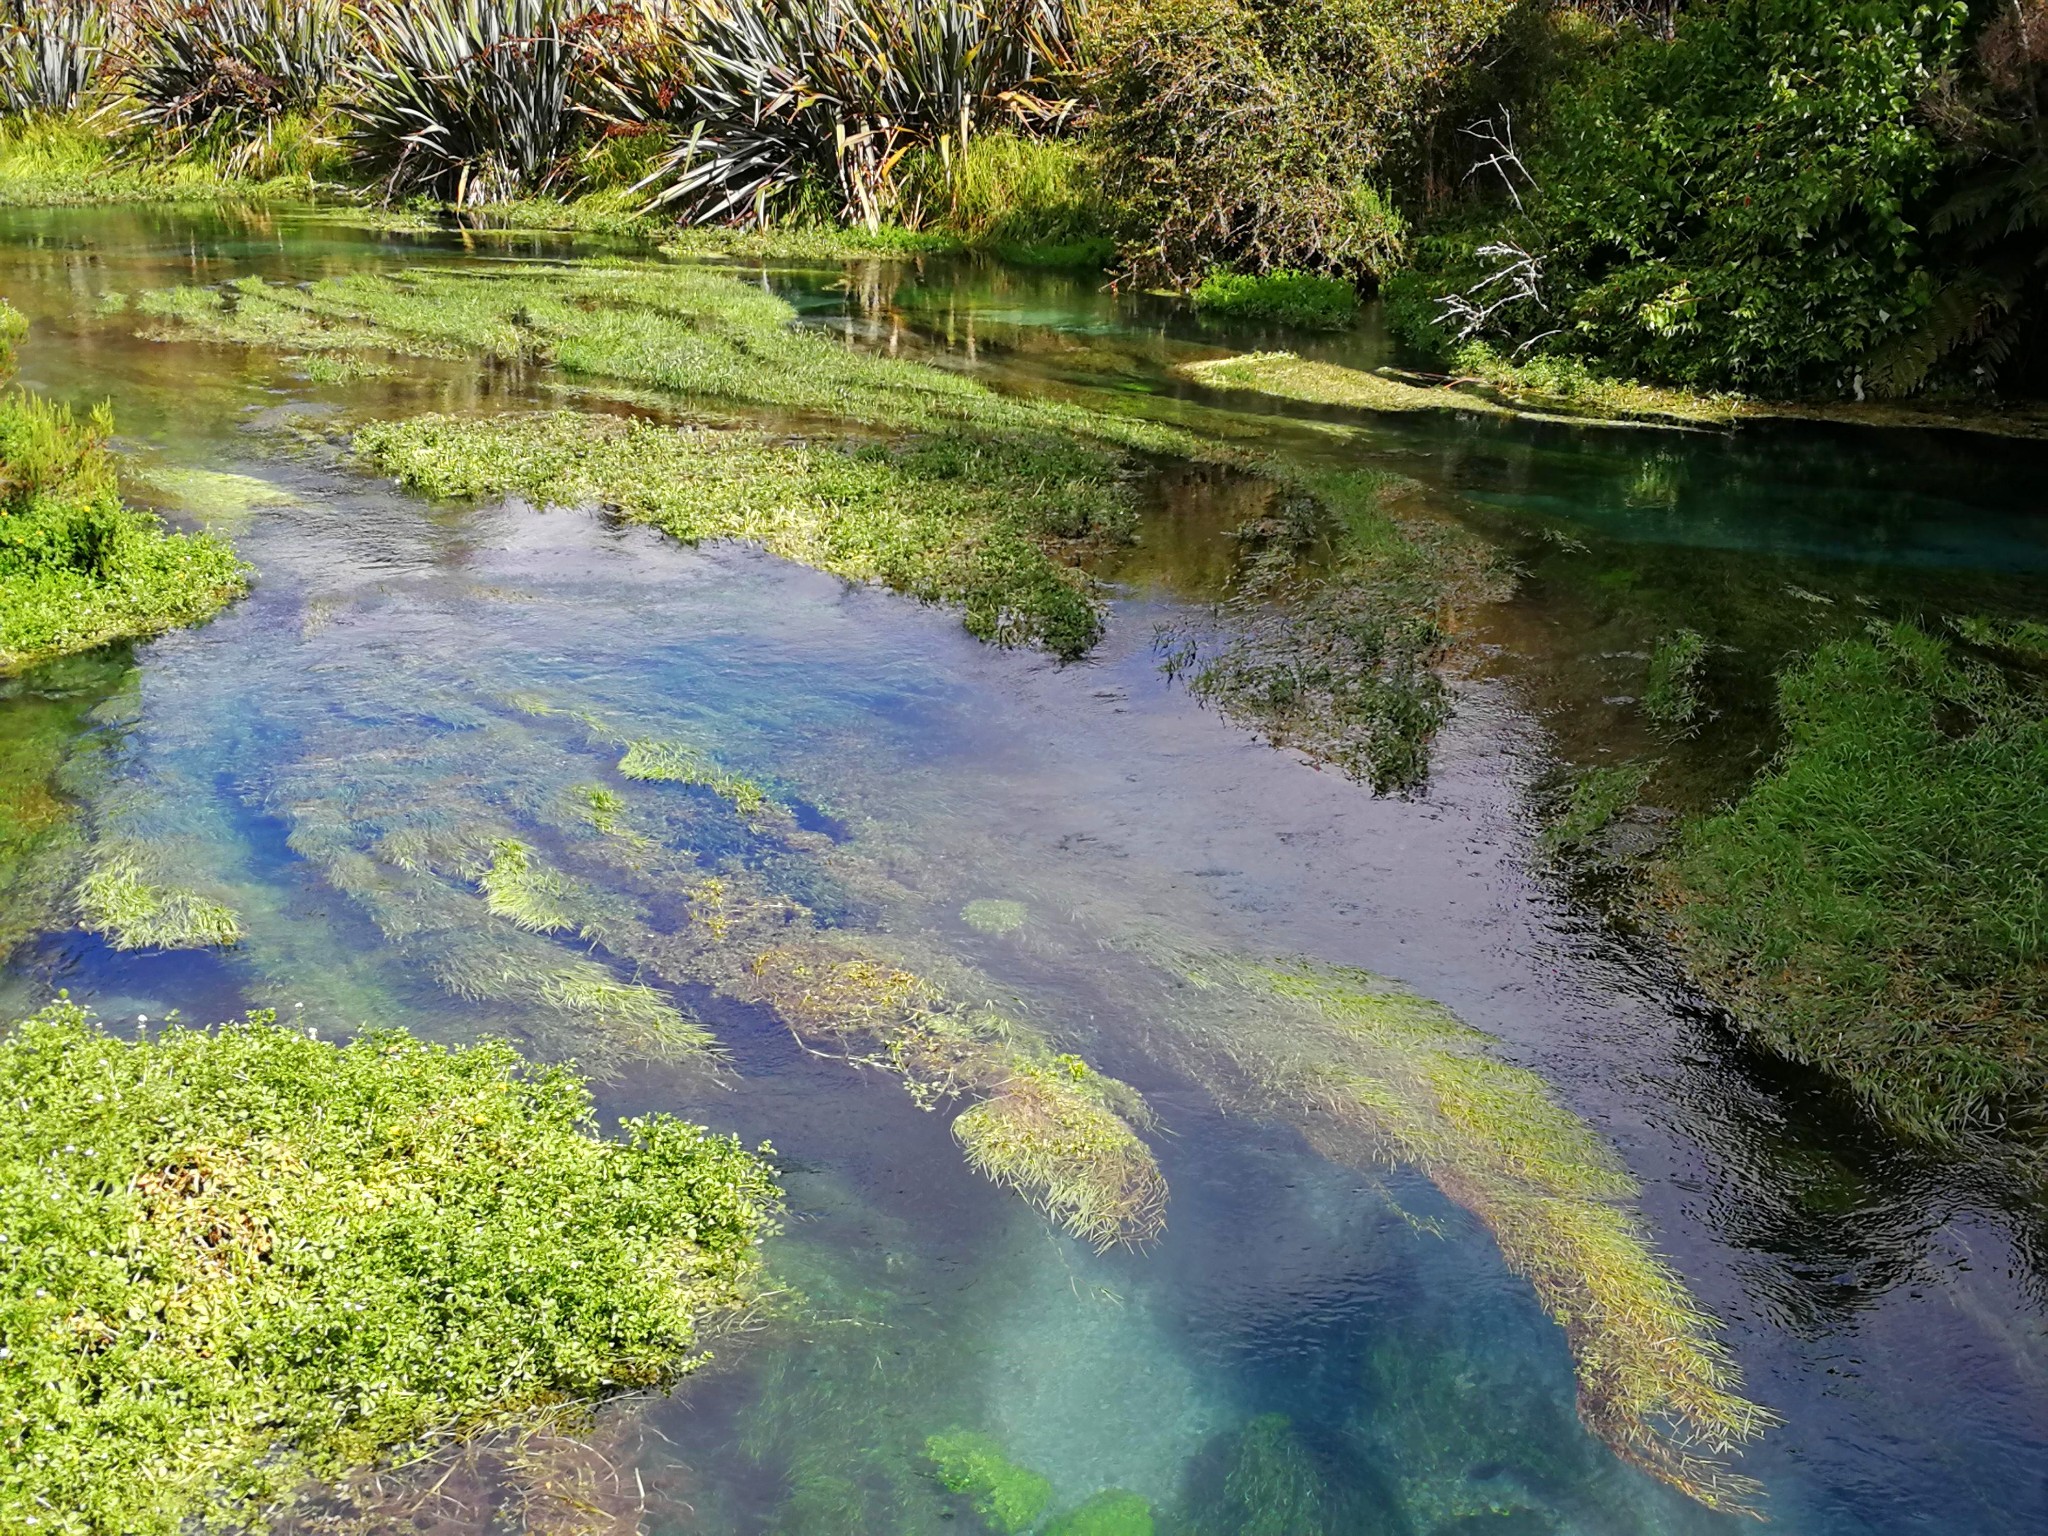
x=78, y=568
x=1341, y=610
x=1598, y=796
x=1874, y=904
x=238, y=1258
x=1008, y=1498
x=672, y=762
x=1112, y=1512
x=521, y=889
x=119, y=901
x=1044, y=1124
x=1674, y=694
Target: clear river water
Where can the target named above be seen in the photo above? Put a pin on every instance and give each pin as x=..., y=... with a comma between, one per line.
x=1312, y=1343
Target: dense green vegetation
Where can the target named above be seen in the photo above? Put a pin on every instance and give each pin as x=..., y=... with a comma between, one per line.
x=1300, y=299
x=1873, y=904
x=77, y=567
x=239, y=1258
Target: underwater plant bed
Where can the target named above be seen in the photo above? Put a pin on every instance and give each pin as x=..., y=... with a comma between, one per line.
x=242, y=1258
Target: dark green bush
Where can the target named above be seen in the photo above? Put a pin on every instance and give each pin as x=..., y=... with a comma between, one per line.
x=51, y=52
x=1265, y=136
x=230, y=68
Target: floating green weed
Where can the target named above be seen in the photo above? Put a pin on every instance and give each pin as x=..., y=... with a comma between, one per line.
x=1289, y=377
x=989, y=915
x=121, y=902
x=518, y=887
x=1673, y=695
x=1009, y=1498
x=1874, y=904
x=235, y=1259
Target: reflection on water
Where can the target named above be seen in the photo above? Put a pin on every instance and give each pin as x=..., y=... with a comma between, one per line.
x=1313, y=1345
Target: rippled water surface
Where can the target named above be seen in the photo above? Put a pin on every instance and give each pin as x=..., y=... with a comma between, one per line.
x=1313, y=1343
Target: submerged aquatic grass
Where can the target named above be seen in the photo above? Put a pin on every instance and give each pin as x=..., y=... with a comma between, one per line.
x=1341, y=611
x=671, y=762
x=120, y=901
x=1597, y=798
x=1873, y=905
x=1042, y=1123
x=1372, y=1073
x=1008, y=1498
x=239, y=1258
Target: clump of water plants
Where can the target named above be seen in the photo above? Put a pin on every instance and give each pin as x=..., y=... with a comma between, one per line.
x=670, y=762
x=1596, y=799
x=1112, y=1512
x=239, y=1258
x=77, y=567
x=1873, y=904
x=1370, y=1072
x=1673, y=695
x=990, y=914
x=1303, y=301
x=121, y=901
x=1330, y=639
x=1008, y=1498
x=1045, y=1124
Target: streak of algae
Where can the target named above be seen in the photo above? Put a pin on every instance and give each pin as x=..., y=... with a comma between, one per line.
x=1374, y=1074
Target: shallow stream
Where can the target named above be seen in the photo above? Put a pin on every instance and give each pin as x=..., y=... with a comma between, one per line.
x=404, y=664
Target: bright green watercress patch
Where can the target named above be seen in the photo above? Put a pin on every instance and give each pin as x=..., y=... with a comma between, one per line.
x=232, y=1260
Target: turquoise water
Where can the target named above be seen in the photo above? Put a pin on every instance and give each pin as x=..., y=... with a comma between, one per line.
x=1315, y=1344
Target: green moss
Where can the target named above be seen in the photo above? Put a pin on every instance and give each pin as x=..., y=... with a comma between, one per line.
x=1009, y=1498
x=1673, y=694
x=239, y=1258
x=1873, y=905
x=989, y=915
x=1301, y=300
x=1112, y=1512
x=78, y=568
x=119, y=901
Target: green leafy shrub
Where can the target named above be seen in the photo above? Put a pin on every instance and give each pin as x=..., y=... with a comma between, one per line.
x=1262, y=136
x=234, y=1259
x=1874, y=904
x=1298, y=299
x=1735, y=207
